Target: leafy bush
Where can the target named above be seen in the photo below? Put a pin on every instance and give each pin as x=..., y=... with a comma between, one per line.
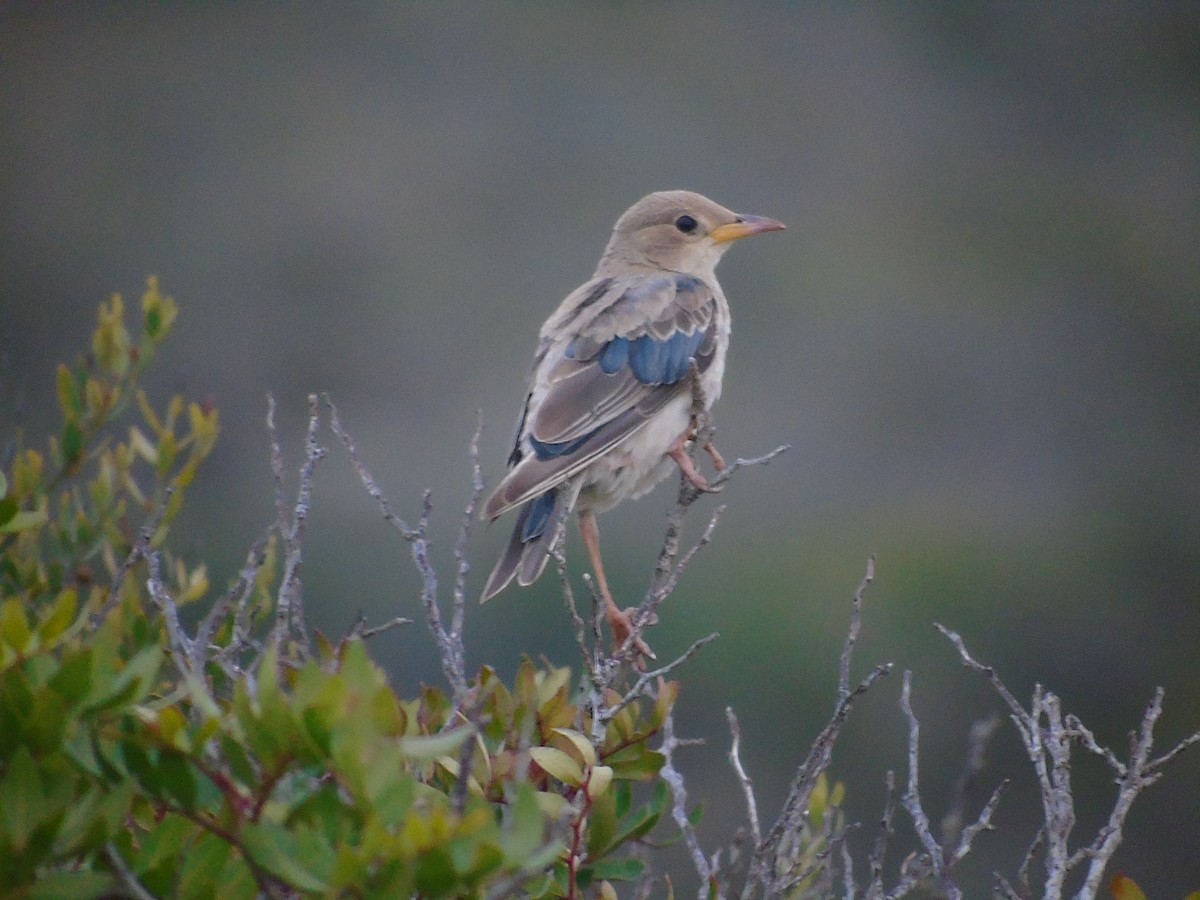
x=136, y=758
x=149, y=752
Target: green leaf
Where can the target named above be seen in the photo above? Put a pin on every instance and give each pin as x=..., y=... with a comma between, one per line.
x=435, y=873
x=92, y=821
x=645, y=818
x=587, y=753
x=163, y=842
x=68, y=394
x=602, y=824
x=203, y=865
x=276, y=850
x=525, y=825
x=558, y=764
x=428, y=748
x=132, y=683
x=60, y=614
x=554, y=807
x=71, y=886
x=23, y=521
x=153, y=321
x=625, y=869
x=137, y=761
x=14, y=625
x=22, y=800
x=73, y=680
x=72, y=443
x=8, y=509
x=240, y=766
x=599, y=780
x=636, y=763
x=177, y=777
x=623, y=793
x=3, y=485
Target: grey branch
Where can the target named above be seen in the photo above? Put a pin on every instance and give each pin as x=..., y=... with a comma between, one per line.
x=953, y=821
x=1048, y=736
x=646, y=679
x=735, y=760
x=855, y=627
x=911, y=801
x=666, y=571
x=876, y=890
x=450, y=642
x=140, y=547
x=289, y=609
x=769, y=864
x=674, y=780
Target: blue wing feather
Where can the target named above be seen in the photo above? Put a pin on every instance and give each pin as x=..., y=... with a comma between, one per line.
x=656, y=362
x=540, y=509
x=614, y=355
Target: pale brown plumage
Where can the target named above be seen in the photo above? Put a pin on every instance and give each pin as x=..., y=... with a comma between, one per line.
x=608, y=409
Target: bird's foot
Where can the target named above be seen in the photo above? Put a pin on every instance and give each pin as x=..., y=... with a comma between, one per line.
x=621, y=623
x=689, y=470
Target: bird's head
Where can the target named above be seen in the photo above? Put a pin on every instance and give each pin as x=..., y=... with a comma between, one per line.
x=680, y=231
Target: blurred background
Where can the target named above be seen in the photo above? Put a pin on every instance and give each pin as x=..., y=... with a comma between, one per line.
x=980, y=333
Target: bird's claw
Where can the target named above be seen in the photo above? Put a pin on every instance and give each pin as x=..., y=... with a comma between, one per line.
x=621, y=623
x=705, y=487
x=688, y=467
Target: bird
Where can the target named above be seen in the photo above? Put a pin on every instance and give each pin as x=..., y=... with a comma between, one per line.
x=608, y=411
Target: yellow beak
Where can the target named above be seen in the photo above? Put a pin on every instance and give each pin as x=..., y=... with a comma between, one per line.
x=743, y=226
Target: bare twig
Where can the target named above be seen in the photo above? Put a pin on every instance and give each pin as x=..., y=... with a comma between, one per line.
x=645, y=679
x=235, y=598
x=982, y=823
x=363, y=632
x=373, y=490
x=673, y=778
x=126, y=877
x=743, y=779
x=795, y=807
x=450, y=642
x=666, y=571
x=181, y=645
x=1031, y=852
x=138, y=551
x=977, y=740
x=289, y=608
x=765, y=865
x=462, y=567
x=911, y=800
x=1048, y=735
x=1140, y=773
x=875, y=890
x=855, y=627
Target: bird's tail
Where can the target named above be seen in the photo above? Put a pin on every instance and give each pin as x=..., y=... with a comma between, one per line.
x=532, y=539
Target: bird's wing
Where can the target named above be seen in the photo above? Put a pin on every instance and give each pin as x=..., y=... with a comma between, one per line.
x=614, y=354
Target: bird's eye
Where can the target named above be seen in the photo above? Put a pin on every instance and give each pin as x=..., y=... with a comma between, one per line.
x=686, y=224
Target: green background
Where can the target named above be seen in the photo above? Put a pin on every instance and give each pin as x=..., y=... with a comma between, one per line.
x=980, y=332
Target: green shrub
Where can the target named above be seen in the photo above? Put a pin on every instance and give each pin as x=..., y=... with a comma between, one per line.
x=139, y=759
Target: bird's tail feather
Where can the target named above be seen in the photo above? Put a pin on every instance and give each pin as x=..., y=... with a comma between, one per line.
x=532, y=539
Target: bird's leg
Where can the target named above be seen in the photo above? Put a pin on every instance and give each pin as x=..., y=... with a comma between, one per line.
x=718, y=460
x=678, y=452
x=618, y=620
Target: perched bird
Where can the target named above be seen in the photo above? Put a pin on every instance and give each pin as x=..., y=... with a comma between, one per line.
x=608, y=412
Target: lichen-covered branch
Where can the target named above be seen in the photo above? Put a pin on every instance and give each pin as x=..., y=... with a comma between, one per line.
x=1048, y=736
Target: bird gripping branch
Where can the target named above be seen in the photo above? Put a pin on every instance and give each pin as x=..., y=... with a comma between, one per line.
x=608, y=409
